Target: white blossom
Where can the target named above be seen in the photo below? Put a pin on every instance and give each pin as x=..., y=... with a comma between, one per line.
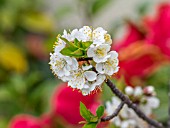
x=90, y=86
x=85, y=34
x=59, y=45
x=99, y=53
x=127, y=118
x=62, y=65
x=151, y=103
x=98, y=36
x=110, y=66
x=81, y=75
x=70, y=36
x=124, y=118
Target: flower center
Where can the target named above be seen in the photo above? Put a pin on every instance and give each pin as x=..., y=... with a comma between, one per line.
x=60, y=63
x=107, y=37
x=100, y=52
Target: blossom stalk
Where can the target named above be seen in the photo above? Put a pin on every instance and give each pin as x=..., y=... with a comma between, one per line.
x=114, y=114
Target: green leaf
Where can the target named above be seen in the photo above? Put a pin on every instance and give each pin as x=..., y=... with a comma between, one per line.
x=69, y=52
x=100, y=111
x=85, y=113
x=76, y=42
x=70, y=44
x=66, y=51
x=94, y=119
x=90, y=125
x=76, y=49
x=86, y=45
x=78, y=52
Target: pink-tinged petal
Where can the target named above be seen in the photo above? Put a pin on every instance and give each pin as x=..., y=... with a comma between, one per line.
x=65, y=103
x=25, y=121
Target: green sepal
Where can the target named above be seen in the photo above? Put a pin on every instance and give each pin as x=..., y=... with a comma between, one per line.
x=94, y=119
x=86, y=45
x=69, y=52
x=85, y=113
x=90, y=125
x=100, y=111
x=69, y=44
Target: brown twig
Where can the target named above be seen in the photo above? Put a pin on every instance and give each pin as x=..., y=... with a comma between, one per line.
x=84, y=59
x=115, y=113
x=133, y=106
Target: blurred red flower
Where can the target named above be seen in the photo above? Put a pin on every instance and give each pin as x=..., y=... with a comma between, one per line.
x=64, y=110
x=25, y=121
x=65, y=103
x=137, y=58
x=159, y=27
x=138, y=61
x=133, y=35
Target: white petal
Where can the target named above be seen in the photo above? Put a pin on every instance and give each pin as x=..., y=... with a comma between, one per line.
x=66, y=72
x=90, y=75
x=108, y=70
x=100, y=79
x=100, y=68
x=73, y=33
x=74, y=64
x=107, y=47
x=90, y=52
x=138, y=91
x=64, y=33
x=113, y=54
x=86, y=67
x=99, y=60
x=100, y=30
x=60, y=73
x=147, y=110
x=68, y=60
x=153, y=102
x=116, y=69
x=129, y=90
x=85, y=92
x=116, y=101
x=86, y=86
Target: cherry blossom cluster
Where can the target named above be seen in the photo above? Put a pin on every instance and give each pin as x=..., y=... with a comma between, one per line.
x=144, y=98
x=92, y=45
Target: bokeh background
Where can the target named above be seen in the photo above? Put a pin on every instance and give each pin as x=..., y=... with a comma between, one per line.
x=140, y=32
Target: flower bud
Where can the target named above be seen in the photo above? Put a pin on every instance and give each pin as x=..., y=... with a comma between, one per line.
x=149, y=90
x=138, y=91
x=129, y=90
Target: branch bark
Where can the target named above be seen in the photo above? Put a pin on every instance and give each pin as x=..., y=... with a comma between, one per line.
x=84, y=59
x=115, y=113
x=133, y=106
